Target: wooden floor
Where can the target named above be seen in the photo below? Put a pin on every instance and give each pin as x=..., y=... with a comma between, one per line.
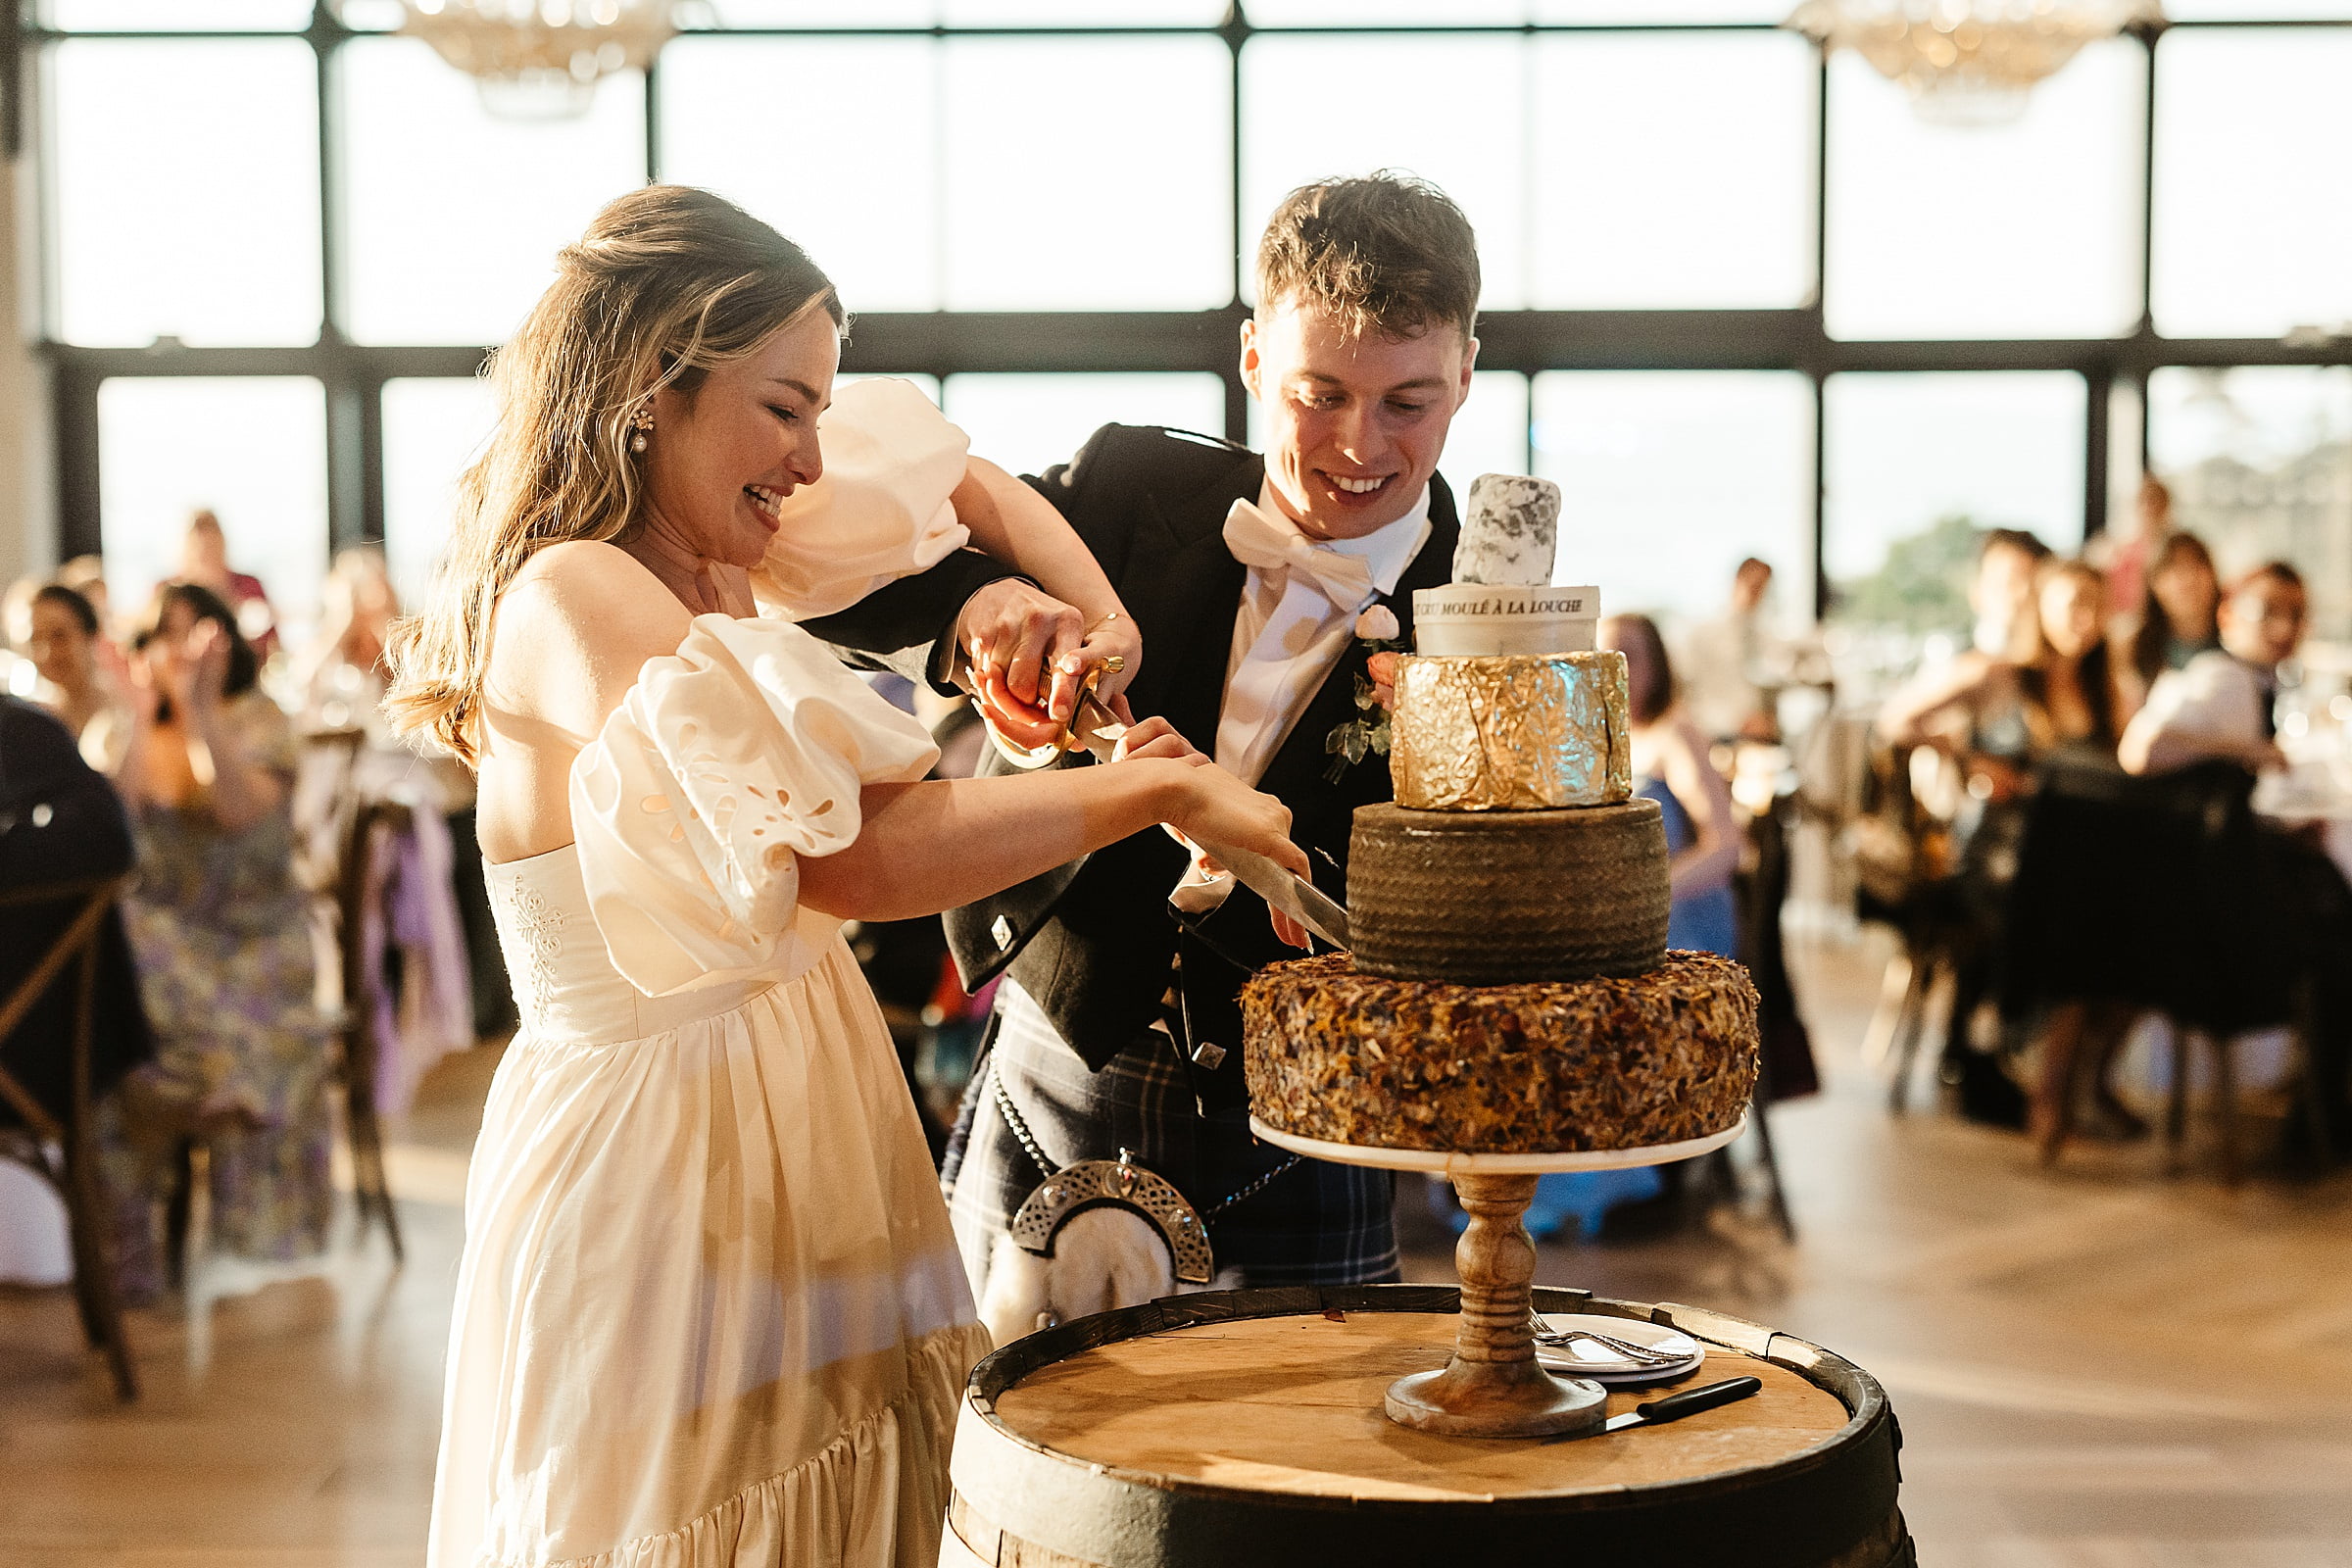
x=2101, y=1367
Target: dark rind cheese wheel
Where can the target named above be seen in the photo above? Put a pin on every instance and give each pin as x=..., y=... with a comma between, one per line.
x=1507, y=897
x=1598, y=1064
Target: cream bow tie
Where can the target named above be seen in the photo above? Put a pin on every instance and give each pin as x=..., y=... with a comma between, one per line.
x=1257, y=540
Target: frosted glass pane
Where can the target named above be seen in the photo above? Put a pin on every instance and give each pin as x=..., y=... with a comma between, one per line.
x=1669, y=478
x=1082, y=13
x=1673, y=171
x=187, y=191
x=2260, y=462
x=1313, y=107
x=1384, y=13
x=971, y=13
x=2253, y=181
x=1028, y=422
x=179, y=16
x=251, y=448
x=433, y=430
x=455, y=215
x=1915, y=455
x=1489, y=434
x=1088, y=173
x=2258, y=10
x=825, y=13
x=2029, y=229
x=1661, y=10
x=858, y=190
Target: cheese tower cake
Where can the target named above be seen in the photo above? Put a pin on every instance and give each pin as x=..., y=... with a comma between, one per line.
x=1510, y=989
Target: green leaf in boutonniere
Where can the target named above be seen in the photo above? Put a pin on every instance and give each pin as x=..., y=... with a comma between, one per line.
x=1367, y=733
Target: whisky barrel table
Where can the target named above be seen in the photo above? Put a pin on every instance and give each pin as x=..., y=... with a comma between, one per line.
x=1241, y=1427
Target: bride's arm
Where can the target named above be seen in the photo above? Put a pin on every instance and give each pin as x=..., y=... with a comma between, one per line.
x=928, y=846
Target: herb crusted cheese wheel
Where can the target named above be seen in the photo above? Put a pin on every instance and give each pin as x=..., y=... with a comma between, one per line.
x=1575, y=1068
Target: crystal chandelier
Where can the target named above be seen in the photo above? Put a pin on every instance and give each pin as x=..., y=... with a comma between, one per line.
x=1969, y=61
x=542, y=59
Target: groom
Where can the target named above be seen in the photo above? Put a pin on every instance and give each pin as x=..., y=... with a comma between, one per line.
x=1119, y=1026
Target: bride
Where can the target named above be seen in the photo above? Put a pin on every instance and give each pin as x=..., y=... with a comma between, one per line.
x=710, y=1310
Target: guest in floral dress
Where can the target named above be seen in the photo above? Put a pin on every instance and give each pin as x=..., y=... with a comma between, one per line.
x=221, y=930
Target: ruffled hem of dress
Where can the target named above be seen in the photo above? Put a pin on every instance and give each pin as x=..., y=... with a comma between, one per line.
x=821, y=1493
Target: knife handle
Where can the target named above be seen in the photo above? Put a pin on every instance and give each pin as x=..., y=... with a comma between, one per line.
x=1691, y=1401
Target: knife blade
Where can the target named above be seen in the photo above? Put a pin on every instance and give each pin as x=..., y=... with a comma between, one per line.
x=1098, y=729
x=1675, y=1407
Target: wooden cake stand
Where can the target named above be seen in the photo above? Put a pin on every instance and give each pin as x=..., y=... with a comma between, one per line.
x=1493, y=1386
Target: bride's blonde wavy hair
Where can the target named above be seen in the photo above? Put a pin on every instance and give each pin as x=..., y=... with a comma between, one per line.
x=668, y=282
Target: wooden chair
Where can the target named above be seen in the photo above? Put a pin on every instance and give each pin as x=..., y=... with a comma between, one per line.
x=2153, y=893
x=73, y=1172
x=372, y=823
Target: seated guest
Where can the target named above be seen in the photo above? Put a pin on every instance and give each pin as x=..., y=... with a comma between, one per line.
x=67, y=645
x=1671, y=766
x=2072, y=699
x=2218, y=706
x=204, y=562
x=1722, y=659
x=1974, y=708
x=223, y=946
x=61, y=823
x=86, y=577
x=2179, y=615
x=2217, y=703
x=2068, y=688
x=1977, y=711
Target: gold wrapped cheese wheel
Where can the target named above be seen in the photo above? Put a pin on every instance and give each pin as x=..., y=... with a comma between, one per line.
x=1510, y=733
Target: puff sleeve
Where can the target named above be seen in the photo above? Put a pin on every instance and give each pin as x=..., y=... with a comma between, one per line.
x=726, y=764
x=881, y=510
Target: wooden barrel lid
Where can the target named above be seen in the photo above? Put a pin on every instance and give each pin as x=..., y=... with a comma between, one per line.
x=1240, y=1427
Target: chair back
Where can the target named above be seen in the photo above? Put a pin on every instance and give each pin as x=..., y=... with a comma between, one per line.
x=2148, y=891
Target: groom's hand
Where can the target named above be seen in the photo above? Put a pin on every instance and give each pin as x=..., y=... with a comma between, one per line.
x=1022, y=641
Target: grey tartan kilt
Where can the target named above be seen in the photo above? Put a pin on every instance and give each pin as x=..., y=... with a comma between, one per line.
x=1317, y=1224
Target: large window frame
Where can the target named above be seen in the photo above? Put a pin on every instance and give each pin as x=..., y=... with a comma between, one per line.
x=944, y=343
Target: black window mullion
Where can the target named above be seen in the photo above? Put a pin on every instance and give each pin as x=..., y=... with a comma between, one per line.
x=1236, y=34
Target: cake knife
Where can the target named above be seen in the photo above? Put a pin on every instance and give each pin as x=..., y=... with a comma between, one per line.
x=1098, y=729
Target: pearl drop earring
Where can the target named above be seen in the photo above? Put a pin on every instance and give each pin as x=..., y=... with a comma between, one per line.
x=641, y=425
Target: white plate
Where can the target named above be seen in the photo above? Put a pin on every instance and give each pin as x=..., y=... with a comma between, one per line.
x=1588, y=1359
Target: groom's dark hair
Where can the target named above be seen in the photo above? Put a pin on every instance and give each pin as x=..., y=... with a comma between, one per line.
x=1387, y=253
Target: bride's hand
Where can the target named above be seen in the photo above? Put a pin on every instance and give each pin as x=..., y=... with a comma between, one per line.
x=1155, y=737
x=1216, y=807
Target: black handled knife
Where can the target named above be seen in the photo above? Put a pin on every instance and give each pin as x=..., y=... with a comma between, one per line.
x=1675, y=1407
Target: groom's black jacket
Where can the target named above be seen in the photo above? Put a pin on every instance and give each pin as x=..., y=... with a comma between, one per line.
x=1092, y=940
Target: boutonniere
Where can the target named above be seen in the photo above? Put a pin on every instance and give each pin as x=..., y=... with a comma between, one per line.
x=1367, y=733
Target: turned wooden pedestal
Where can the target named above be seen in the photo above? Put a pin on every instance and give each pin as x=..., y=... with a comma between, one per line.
x=1493, y=1386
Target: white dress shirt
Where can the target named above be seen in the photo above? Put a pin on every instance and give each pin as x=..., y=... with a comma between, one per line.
x=1288, y=637
x=2216, y=696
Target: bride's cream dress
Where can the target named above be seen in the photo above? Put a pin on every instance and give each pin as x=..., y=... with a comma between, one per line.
x=710, y=1311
